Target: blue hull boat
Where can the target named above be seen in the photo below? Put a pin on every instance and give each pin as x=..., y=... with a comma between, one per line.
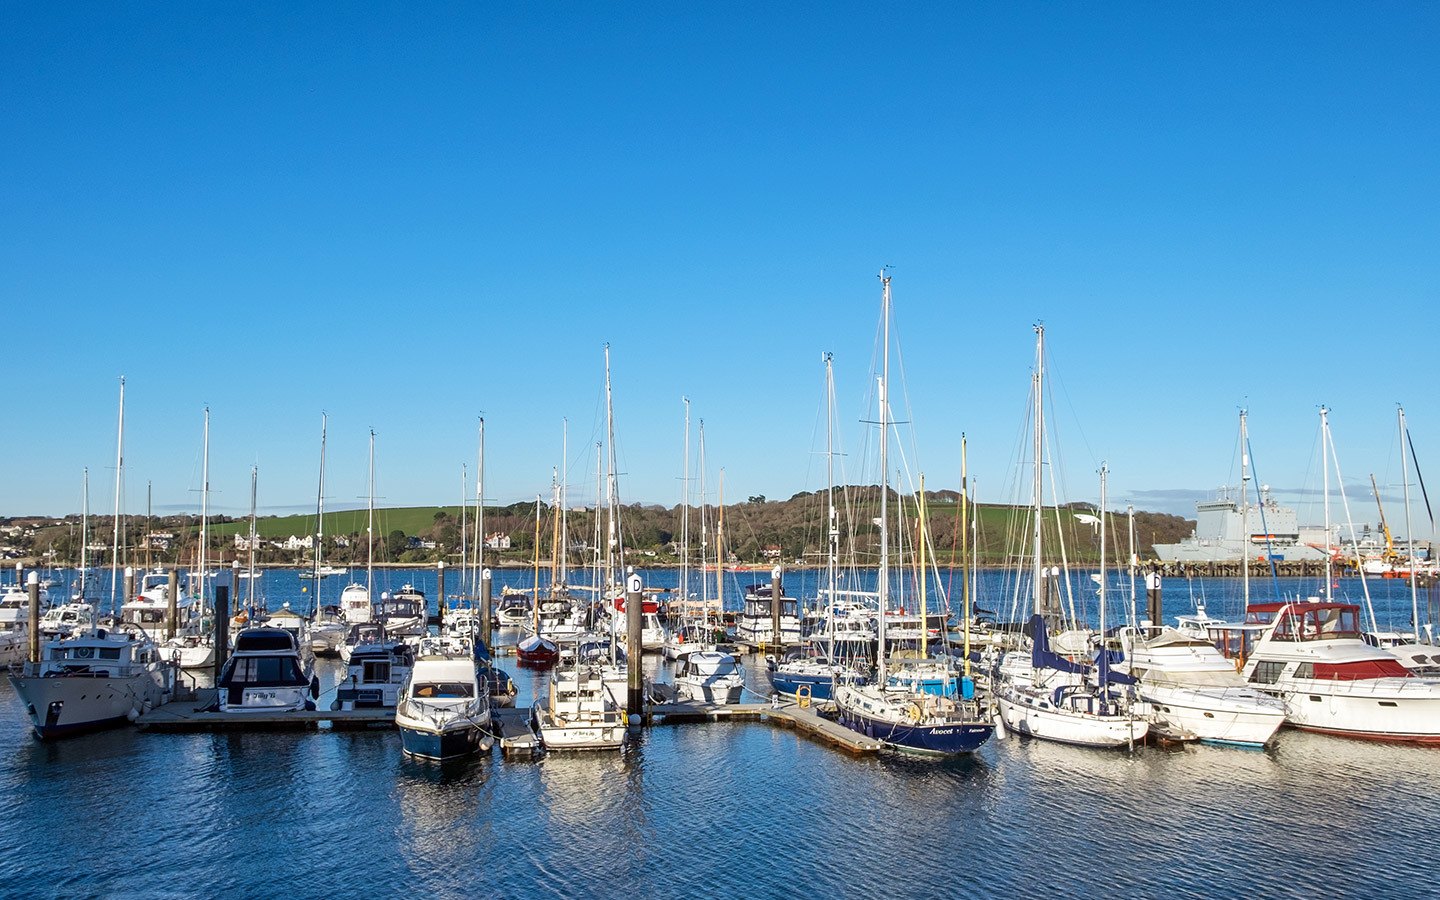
x=947, y=739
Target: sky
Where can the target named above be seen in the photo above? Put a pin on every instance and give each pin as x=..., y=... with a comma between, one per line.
x=409, y=216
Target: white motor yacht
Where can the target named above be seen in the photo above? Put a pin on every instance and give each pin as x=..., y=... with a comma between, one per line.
x=576, y=712
x=709, y=676
x=1194, y=690
x=93, y=681
x=444, y=710
x=265, y=674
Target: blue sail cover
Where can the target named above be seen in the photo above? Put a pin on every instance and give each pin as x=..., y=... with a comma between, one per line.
x=1041, y=656
x=1106, y=676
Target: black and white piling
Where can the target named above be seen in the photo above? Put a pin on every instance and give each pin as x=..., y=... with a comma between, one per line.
x=486, y=594
x=172, y=595
x=634, y=628
x=440, y=593
x=222, y=622
x=32, y=587
x=777, y=577
x=1152, y=597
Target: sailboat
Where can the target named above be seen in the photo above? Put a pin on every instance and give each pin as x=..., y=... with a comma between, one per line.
x=1192, y=689
x=1049, y=695
x=580, y=710
x=903, y=718
x=192, y=645
x=97, y=678
x=1314, y=656
x=816, y=671
x=75, y=616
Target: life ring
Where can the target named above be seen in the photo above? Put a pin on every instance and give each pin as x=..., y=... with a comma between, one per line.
x=802, y=696
x=913, y=712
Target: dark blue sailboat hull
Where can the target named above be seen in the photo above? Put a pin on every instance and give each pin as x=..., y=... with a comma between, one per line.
x=939, y=740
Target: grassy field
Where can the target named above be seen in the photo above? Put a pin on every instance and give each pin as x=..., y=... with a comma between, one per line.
x=409, y=519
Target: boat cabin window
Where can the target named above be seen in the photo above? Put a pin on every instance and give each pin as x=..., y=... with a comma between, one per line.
x=265, y=670
x=1305, y=670
x=1318, y=624
x=445, y=690
x=400, y=607
x=375, y=670
x=1267, y=672
x=1233, y=643
x=264, y=639
x=93, y=653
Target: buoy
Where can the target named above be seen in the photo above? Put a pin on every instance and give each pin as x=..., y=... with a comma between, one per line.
x=634, y=720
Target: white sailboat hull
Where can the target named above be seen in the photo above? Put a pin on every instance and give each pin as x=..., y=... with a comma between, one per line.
x=1023, y=713
x=189, y=656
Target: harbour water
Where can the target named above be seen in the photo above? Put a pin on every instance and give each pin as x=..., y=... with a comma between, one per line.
x=726, y=809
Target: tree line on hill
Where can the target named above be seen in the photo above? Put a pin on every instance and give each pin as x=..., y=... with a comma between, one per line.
x=757, y=531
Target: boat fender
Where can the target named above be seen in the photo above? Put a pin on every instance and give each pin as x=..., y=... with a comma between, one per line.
x=802, y=696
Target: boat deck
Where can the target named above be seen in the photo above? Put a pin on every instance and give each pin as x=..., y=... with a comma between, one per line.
x=512, y=727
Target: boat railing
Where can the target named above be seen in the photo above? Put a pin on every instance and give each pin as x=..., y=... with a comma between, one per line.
x=1400, y=685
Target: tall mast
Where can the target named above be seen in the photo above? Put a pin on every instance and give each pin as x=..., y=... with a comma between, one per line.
x=119, y=485
x=564, y=542
x=537, y=565
x=84, y=532
x=370, y=525
x=1134, y=563
x=720, y=545
x=1409, y=528
x=149, y=501
x=922, y=571
x=884, y=574
x=555, y=526
x=464, y=529
x=1325, y=493
x=1104, y=502
x=599, y=555
x=685, y=513
x=704, y=528
x=832, y=520
x=965, y=547
x=319, y=517
x=1037, y=572
x=615, y=553
x=1245, y=514
x=479, y=550
x=205, y=508
x=254, y=477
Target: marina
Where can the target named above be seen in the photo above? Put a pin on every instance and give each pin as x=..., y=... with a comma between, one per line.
x=720, y=452
x=762, y=771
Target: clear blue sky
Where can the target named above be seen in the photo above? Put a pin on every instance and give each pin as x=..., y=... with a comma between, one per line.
x=407, y=215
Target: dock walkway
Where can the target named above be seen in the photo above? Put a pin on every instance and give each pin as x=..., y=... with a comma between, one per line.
x=807, y=720
x=195, y=715
x=511, y=726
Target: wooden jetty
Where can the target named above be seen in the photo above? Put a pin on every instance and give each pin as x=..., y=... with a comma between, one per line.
x=511, y=727
x=195, y=715
x=808, y=720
